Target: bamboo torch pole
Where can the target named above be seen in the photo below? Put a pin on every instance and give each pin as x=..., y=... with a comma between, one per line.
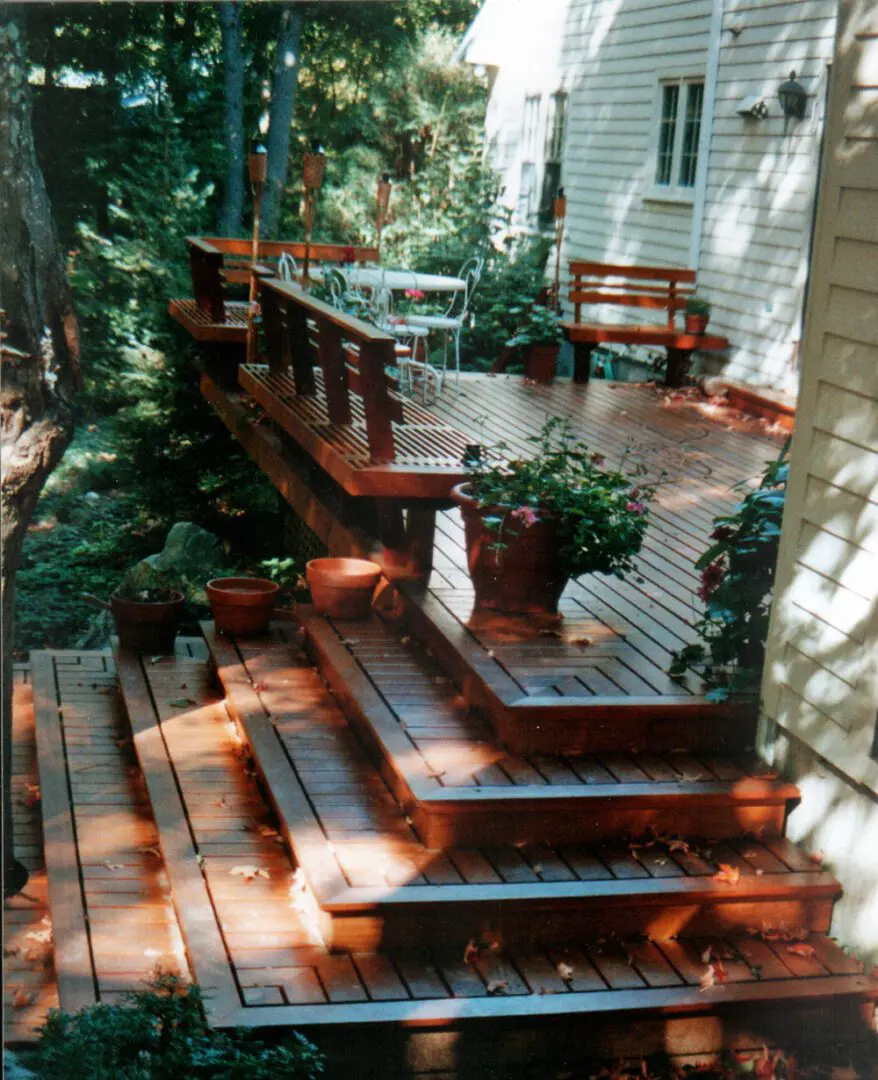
x=257, y=163
x=312, y=175
x=559, y=213
x=382, y=204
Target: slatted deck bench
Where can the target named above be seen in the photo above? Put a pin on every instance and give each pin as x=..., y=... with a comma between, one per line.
x=652, y=287
x=217, y=262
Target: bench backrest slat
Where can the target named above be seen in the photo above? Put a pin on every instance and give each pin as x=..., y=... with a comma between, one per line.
x=655, y=287
x=352, y=354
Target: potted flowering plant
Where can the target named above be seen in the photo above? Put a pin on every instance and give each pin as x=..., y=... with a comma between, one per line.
x=540, y=337
x=697, y=315
x=533, y=524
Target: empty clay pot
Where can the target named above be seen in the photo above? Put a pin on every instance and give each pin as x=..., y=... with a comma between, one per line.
x=342, y=588
x=241, y=605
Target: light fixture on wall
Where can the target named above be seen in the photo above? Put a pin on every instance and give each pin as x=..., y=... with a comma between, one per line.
x=752, y=108
x=793, y=98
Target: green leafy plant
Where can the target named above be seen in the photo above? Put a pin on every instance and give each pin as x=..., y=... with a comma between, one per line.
x=160, y=1033
x=540, y=326
x=737, y=575
x=696, y=305
x=289, y=573
x=600, y=515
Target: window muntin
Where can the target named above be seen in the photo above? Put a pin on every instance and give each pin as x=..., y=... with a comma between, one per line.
x=691, y=134
x=679, y=111
x=667, y=134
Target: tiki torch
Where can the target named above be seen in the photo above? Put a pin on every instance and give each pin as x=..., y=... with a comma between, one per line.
x=559, y=213
x=312, y=175
x=382, y=204
x=257, y=162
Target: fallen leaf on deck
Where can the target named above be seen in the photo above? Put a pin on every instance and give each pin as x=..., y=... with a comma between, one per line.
x=435, y=773
x=498, y=986
x=676, y=844
x=549, y=631
x=801, y=949
x=155, y=659
x=11, y=950
x=731, y=875
x=248, y=873
x=471, y=952
x=221, y=802
x=707, y=954
x=816, y=857
x=405, y=640
x=566, y=971
x=152, y=851
x=152, y=952
x=182, y=703
x=114, y=866
x=349, y=641
x=268, y=831
x=21, y=999
x=41, y=936
x=490, y=654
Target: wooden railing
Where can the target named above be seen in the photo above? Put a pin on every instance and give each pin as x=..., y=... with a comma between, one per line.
x=218, y=261
x=353, y=356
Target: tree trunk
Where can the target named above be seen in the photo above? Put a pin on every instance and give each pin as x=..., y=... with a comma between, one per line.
x=283, y=102
x=233, y=85
x=39, y=357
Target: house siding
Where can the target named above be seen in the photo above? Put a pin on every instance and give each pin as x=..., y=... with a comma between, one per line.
x=752, y=243
x=820, y=690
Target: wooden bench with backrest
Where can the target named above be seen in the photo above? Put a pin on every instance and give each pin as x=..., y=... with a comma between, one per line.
x=653, y=288
x=329, y=385
x=218, y=262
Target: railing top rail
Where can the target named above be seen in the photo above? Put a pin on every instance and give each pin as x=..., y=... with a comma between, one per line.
x=360, y=331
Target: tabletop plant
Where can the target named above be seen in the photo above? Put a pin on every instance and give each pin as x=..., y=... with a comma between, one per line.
x=533, y=523
x=737, y=575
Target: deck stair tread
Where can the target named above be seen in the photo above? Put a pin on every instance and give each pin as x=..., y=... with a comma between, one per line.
x=445, y=764
x=283, y=974
x=374, y=879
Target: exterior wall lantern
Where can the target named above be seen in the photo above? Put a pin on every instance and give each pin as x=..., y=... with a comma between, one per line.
x=793, y=98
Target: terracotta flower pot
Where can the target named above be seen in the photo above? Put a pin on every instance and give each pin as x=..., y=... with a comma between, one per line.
x=523, y=575
x=540, y=362
x=342, y=588
x=147, y=626
x=242, y=606
x=696, y=324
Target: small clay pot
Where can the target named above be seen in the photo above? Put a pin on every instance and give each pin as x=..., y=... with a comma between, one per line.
x=540, y=362
x=242, y=606
x=147, y=626
x=342, y=588
x=696, y=324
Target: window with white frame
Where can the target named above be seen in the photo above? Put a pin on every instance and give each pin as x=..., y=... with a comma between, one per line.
x=680, y=105
x=531, y=145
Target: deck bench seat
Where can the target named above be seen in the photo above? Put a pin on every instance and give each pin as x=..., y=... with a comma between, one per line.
x=651, y=287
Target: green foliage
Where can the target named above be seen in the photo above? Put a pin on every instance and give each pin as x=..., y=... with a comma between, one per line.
x=289, y=573
x=737, y=575
x=600, y=516
x=160, y=1034
x=695, y=305
x=539, y=326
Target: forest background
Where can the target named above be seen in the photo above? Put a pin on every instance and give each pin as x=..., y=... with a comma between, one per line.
x=143, y=114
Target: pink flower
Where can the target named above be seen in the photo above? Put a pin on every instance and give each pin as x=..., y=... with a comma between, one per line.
x=711, y=578
x=414, y=294
x=598, y=459
x=635, y=508
x=526, y=514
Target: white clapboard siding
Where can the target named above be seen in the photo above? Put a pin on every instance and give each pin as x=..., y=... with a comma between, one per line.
x=821, y=676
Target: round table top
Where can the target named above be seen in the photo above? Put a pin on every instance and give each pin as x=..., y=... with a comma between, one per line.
x=399, y=280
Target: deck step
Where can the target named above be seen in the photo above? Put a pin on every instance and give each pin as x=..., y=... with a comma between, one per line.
x=273, y=969
x=111, y=915
x=530, y=683
x=461, y=785
x=374, y=881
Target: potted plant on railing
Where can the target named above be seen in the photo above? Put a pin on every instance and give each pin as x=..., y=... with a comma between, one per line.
x=533, y=524
x=540, y=337
x=697, y=315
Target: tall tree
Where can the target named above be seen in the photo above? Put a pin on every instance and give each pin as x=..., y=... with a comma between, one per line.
x=233, y=86
x=283, y=102
x=39, y=357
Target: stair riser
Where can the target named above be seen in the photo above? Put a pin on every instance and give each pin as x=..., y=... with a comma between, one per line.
x=519, y=1050
x=534, y=923
x=492, y=822
x=532, y=730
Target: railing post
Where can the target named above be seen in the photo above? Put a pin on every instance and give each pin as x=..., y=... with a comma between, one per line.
x=335, y=381
x=376, y=402
x=207, y=281
x=299, y=344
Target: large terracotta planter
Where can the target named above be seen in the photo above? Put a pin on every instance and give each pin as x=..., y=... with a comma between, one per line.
x=242, y=606
x=148, y=626
x=522, y=577
x=540, y=362
x=696, y=324
x=342, y=588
